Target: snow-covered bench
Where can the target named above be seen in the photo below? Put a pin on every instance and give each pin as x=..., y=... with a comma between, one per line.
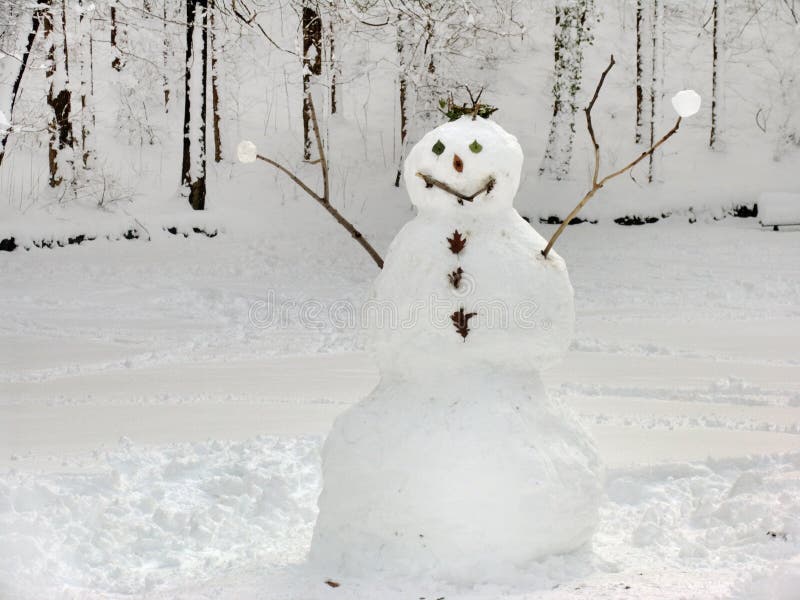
x=778, y=209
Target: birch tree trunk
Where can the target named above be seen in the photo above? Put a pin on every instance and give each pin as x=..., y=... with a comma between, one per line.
x=427, y=92
x=215, y=110
x=335, y=67
x=402, y=77
x=165, y=55
x=717, y=74
x=312, y=64
x=572, y=31
x=117, y=38
x=656, y=77
x=60, y=135
x=36, y=15
x=193, y=174
x=640, y=22
x=84, y=67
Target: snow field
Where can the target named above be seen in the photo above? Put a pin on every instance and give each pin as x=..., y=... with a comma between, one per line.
x=685, y=350
x=234, y=519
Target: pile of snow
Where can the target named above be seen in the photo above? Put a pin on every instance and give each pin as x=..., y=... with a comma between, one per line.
x=150, y=514
x=779, y=208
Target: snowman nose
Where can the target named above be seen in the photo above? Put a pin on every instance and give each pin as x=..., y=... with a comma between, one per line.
x=458, y=164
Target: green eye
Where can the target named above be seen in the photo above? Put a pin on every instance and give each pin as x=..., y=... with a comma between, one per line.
x=475, y=146
x=438, y=148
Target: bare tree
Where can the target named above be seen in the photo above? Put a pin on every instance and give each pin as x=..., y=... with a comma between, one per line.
x=60, y=138
x=36, y=17
x=335, y=66
x=597, y=181
x=572, y=33
x=312, y=63
x=402, y=59
x=83, y=50
x=166, y=51
x=215, y=109
x=193, y=172
x=717, y=72
x=117, y=36
x=656, y=75
x=639, y=71
x=325, y=199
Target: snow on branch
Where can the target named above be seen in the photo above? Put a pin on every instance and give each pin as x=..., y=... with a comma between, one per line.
x=686, y=103
x=247, y=153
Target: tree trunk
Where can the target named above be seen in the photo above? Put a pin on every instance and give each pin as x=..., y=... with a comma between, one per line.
x=571, y=33
x=312, y=64
x=23, y=66
x=717, y=70
x=215, y=110
x=656, y=69
x=427, y=94
x=60, y=138
x=402, y=61
x=84, y=65
x=334, y=67
x=639, y=72
x=193, y=176
x=165, y=55
x=117, y=62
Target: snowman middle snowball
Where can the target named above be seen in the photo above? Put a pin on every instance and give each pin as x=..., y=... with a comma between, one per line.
x=477, y=256
x=458, y=465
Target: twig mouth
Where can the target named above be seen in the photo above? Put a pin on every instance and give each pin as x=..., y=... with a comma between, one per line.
x=461, y=198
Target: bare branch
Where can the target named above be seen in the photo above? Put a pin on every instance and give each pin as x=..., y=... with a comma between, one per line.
x=292, y=176
x=321, y=150
x=611, y=63
x=597, y=184
x=251, y=21
x=433, y=182
x=324, y=200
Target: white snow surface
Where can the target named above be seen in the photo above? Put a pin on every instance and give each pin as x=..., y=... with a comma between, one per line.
x=779, y=208
x=686, y=103
x=158, y=440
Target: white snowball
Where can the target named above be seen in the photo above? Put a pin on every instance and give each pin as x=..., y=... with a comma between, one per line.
x=468, y=476
x=498, y=155
x=686, y=103
x=246, y=151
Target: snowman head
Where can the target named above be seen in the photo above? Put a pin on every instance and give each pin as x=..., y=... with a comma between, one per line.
x=456, y=160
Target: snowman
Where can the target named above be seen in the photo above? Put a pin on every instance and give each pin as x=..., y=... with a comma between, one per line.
x=457, y=465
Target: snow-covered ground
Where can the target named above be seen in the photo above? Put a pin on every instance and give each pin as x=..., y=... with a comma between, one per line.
x=157, y=440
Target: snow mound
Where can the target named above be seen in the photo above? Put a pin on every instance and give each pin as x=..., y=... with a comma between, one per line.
x=779, y=208
x=149, y=516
